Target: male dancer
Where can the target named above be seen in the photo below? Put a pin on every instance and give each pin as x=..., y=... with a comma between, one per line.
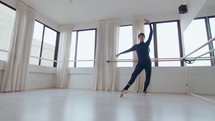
x=144, y=60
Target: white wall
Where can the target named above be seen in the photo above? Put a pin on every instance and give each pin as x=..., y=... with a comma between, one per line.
x=194, y=7
x=169, y=80
x=207, y=11
x=40, y=77
x=165, y=79
x=81, y=78
x=201, y=80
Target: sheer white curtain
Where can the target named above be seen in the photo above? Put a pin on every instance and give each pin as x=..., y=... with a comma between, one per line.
x=138, y=27
x=113, y=39
x=62, y=71
x=16, y=67
x=100, y=65
x=107, y=43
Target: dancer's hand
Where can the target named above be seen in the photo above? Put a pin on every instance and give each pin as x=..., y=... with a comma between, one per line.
x=117, y=55
x=147, y=21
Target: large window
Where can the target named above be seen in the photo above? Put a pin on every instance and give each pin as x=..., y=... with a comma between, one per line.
x=83, y=48
x=168, y=43
x=7, y=18
x=194, y=37
x=125, y=42
x=44, y=43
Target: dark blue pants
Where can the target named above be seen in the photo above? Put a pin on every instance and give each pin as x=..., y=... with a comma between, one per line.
x=139, y=67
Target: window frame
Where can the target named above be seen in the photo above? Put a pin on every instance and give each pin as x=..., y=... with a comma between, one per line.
x=76, y=46
x=181, y=54
x=42, y=42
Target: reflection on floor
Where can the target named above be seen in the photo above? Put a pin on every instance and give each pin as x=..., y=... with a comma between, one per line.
x=212, y=97
x=85, y=105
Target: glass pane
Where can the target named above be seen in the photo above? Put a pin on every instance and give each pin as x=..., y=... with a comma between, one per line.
x=72, y=49
x=147, y=31
x=49, y=44
x=125, y=42
x=194, y=37
x=7, y=19
x=36, y=43
x=212, y=25
x=86, y=48
x=168, y=43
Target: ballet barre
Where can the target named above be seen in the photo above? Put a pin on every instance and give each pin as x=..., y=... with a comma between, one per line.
x=60, y=61
x=205, y=53
x=43, y=58
x=210, y=41
x=1, y=50
x=164, y=59
x=189, y=60
x=80, y=60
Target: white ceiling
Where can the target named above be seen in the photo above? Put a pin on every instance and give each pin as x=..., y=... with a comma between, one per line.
x=79, y=11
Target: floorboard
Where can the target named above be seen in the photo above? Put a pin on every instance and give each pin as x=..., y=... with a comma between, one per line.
x=87, y=105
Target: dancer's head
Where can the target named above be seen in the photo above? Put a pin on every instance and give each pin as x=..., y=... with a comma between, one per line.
x=141, y=37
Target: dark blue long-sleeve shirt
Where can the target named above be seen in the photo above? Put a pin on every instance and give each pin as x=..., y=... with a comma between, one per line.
x=142, y=49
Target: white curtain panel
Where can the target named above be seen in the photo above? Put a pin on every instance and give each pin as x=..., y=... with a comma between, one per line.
x=138, y=27
x=62, y=71
x=100, y=65
x=17, y=65
x=113, y=39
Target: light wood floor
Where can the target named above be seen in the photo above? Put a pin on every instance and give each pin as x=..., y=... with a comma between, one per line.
x=85, y=105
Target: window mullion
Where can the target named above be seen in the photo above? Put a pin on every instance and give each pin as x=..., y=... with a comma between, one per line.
x=95, y=47
x=56, y=49
x=209, y=36
x=155, y=43
x=76, y=48
x=42, y=42
x=180, y=42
